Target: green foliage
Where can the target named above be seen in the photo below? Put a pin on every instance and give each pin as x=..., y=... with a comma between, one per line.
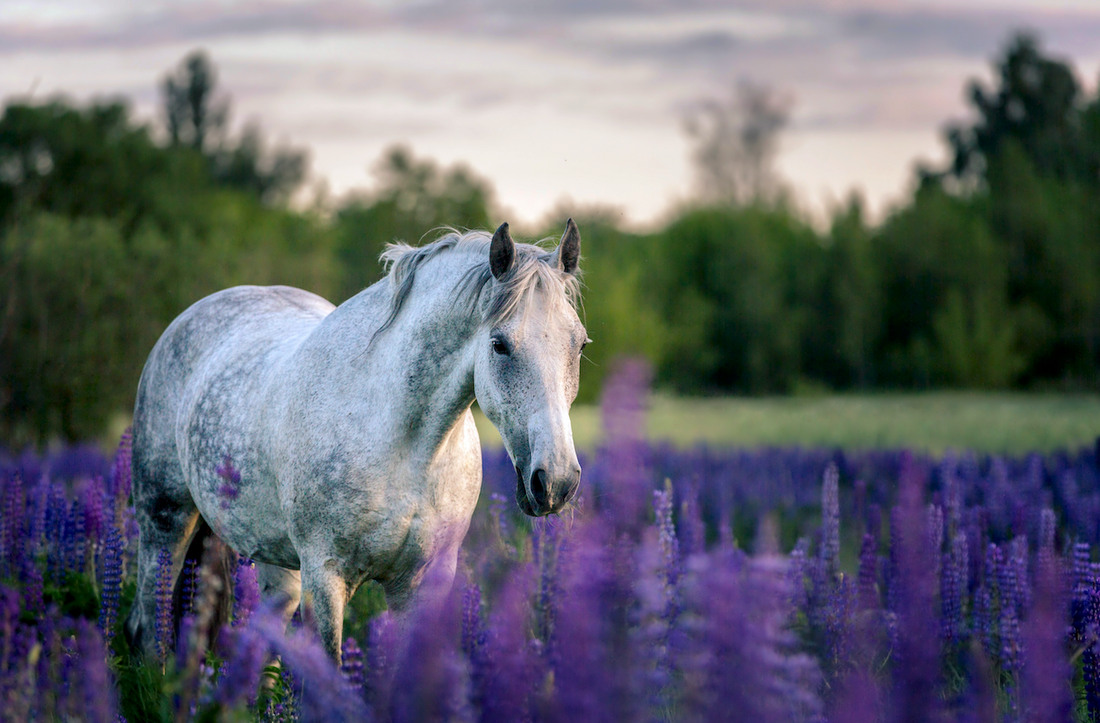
x=104, y=238
x=738, y=286
x=988, y=278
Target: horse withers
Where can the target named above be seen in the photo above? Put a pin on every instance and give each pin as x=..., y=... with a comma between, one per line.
x=353, y=449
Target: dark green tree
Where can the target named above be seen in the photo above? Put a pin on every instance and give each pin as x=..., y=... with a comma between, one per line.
x=1035, y=105
x=196, y=115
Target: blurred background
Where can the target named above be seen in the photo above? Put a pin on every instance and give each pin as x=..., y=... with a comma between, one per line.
x=845, y=222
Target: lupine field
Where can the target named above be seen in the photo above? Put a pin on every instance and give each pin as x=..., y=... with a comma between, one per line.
x=698, y=585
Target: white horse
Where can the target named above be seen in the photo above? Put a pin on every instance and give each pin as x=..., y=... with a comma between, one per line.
x=350, y=426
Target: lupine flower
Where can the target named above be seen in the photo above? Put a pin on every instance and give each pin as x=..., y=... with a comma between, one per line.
x=739, y=664
x=796, y=574
x=917, y=668
x=985, y=616
x=119, y=487
x=246, y=592
x=830, y=520
x=322, y=692
x=165, y=624
x=953, y=589
x=189, y=586
x=508, y=670
x=1046, y=674
x=868, y=574
x=382, y=659
x=935, y=538
x=94, y=678
x=432, y=677
x=351, y=664
x=112, y=584
x=11, y=527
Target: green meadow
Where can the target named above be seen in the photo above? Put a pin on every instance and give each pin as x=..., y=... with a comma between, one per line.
x=932, y=422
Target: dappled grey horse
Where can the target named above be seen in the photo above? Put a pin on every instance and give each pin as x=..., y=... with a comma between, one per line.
x=350, y=426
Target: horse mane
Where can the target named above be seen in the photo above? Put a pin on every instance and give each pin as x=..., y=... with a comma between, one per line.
x=534, y=268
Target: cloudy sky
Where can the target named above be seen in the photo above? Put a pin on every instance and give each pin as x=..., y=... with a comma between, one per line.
x=556, y=100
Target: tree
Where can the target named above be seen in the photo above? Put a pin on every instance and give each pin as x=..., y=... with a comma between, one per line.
x=736, y=141
x=196, y=115
x=1036, y=106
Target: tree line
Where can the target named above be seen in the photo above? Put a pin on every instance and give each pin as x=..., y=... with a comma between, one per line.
x=988, y=277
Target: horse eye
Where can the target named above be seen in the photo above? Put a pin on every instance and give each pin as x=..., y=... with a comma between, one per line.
x=585, y=343
x=500, y=347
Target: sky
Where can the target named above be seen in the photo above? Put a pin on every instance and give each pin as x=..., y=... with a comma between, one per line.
x=557, y=101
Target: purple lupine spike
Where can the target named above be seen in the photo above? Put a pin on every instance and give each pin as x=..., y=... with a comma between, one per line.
x=120, y=470
x=666, y=534
x=892, y=562
x=112, y=584
x=868, y=594
x=918, y=649
x=1011, y=657
x=956, y=568
x=1047, y=697
x=11, y=527
x=94, y=678
x=1048, y=529
x=1023, y=580
x=246, y=592
x=952, y=492
x=796, y=575
x=738, y=664
x=94, y=520
x=986, y=622
x=830, y=520
x=382, y=653
x=1081, y=592
x=432, y=677
x=322, y=693
x=935, y=538
x=592, y=668
x=245, y=654
x=351, y=665
x=473, y=627
x=189, y=586
x=509, y=669
x=165, y=627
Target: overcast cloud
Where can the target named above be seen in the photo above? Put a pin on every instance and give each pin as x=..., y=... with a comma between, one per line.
x=550, y=100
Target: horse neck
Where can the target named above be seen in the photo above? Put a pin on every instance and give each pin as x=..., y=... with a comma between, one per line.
x=426, y=357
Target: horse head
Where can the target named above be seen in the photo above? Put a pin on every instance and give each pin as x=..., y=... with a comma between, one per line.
x=528, y=365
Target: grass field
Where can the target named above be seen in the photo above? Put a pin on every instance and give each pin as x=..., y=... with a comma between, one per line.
x=934, y=422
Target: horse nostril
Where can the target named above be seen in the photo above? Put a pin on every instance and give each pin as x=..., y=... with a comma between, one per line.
x=539, y=489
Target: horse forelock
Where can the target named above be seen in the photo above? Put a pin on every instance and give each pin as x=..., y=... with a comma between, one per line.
x=532, y=270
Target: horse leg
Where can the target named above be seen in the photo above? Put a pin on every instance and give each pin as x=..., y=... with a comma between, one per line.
x=279, y=581
x=326, y=595
x=168, y=519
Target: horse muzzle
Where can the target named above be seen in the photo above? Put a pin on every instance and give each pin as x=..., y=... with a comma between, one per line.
x=543, y=493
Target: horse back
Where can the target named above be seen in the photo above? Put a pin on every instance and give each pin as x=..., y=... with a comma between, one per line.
x=201, y=384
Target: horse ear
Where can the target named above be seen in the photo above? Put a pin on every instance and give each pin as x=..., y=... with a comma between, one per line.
x=502, y=252
x=569, y=250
